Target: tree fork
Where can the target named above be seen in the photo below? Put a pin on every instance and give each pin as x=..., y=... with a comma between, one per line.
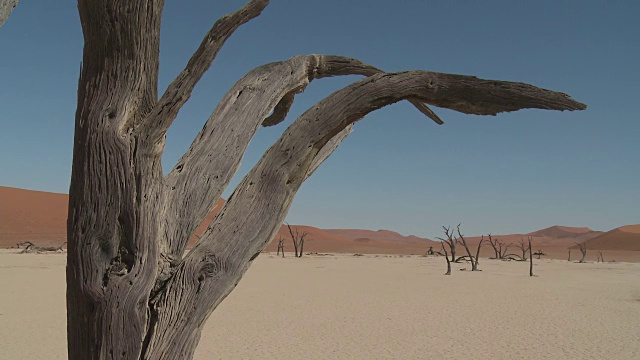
x=131, y=291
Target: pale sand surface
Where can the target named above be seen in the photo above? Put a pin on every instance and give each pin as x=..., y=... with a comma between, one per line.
x=385, y=307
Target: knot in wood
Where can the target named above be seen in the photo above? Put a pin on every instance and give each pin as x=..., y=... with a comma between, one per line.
x=212, y=266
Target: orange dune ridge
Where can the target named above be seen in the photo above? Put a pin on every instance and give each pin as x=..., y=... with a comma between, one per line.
x=40, y=217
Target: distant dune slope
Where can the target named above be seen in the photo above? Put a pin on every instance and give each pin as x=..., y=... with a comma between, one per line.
x=27, y=215
x=623, y=238
x=354, y=234
x=565, y=232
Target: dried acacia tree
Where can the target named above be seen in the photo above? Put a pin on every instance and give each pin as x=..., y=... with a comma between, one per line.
x=6, y=7
x=446, y=257
x=451, y=241
x=524, y=248
x=132, y=291
x=583, y=250
x=28, y=247
x=499, y=248
x=298, y=240
x=280, y=247
x=530, y=258
x=474, y=260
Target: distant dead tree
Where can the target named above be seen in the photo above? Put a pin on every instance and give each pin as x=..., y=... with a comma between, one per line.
x=280, y=247
x=600, y=257
x=530, y=258
x=539, y=253
x=494, y=246
x=298, y=240
x=569, y=259
x=499, y=248
x=29, y=247
x=583, y=249
x=446, y=256
x=430, y=251
x=523, y=247
x=474, y=260
x=451, y=241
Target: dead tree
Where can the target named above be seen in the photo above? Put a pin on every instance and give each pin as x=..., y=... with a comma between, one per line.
x=6, y=7
x=583, y=250
x=430, y=251
x=499, y=248
x=524, y=249
x=298, y=240
x=451, y=241
x=493, y=244
x=29, y=247
x=569, y=259
x=280, y=247
x=446, y=257
x=530, y=258
x=132, y=291
x=478, y=251
x=539, y=253
x=24, y=245
x=474, y=260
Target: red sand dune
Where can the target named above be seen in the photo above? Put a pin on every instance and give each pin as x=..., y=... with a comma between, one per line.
x=41, y=217
x=27, y=215
x=564, y=232
x=355, y=234
x=623, y=238
x=356, y=241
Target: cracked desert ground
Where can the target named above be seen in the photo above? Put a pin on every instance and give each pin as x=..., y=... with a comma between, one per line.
x=370, y=307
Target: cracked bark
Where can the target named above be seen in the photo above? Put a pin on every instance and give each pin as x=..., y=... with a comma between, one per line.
x=132, y=293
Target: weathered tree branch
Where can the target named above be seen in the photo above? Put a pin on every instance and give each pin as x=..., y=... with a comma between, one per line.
x=158, y=121
x=254, y=212
x=130, y=294
x=203, y=173
x=6, y=7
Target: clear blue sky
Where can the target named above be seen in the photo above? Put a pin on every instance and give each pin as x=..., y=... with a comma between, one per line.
x=516, y=172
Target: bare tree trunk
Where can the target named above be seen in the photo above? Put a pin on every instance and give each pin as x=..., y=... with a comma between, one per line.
x=451, y=242
x=474, y=261
x=524, y=249
x=495, y=248
x=478, y=251
x=530, y=259
x=280, y=247
x=6, y=7
x=569, y=259
x=446, y=257
x=583, y=250
x=298, y=240
x=301, y=246
x=132, y=292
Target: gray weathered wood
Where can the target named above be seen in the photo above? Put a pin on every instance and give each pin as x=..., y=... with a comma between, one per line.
x=6, y=7
x=131, y=291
